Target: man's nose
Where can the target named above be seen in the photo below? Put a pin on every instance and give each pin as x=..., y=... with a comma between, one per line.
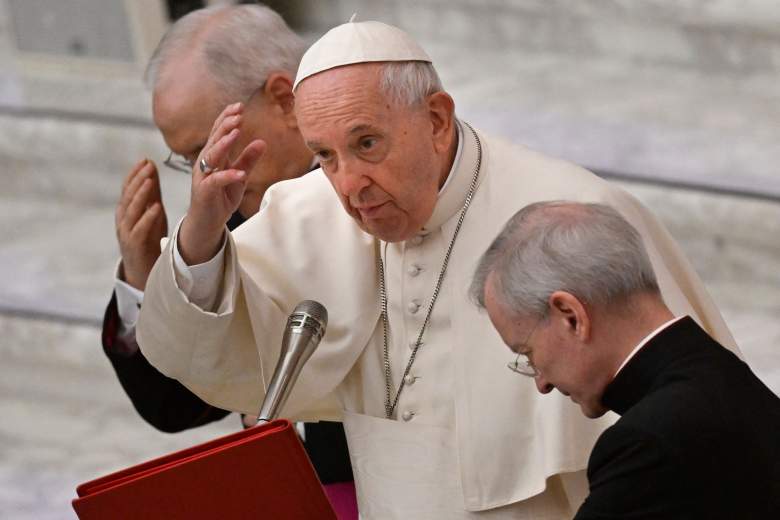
x=351, y=182
x=544, y=386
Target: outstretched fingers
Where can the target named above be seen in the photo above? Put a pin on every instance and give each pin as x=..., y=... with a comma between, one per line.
x=228, y=112
x=216, y=154
x=223, y=178
x=226, y=124
x=249, y=156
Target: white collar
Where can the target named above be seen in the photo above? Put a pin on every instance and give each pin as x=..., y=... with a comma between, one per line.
x=453, y=193
x=456, y=162
x=646, y=340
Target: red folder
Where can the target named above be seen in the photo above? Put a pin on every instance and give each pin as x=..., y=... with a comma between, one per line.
x=261, y=472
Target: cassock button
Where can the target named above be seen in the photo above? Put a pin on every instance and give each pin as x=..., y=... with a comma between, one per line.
x=414, y=270
x=416, y=240
x=409, y=380
x=407, y=415
x=413, y=344
x=413, y=307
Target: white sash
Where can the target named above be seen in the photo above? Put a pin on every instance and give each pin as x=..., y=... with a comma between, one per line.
x=408, y=471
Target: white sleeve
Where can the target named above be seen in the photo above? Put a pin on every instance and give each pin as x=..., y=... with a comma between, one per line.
x=200, y=283
x=128, y=306
x=226, y=355
x=128, y=299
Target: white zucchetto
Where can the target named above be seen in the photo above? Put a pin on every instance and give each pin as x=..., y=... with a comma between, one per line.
x=358, y=42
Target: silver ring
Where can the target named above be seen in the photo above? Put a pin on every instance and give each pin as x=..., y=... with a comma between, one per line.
x=204, y=166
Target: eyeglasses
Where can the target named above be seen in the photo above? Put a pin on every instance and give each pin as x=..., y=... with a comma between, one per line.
x=525, y=367
x=178, y=163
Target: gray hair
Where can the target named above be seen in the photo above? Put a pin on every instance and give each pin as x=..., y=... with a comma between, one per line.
x=588, y=250
x=241, y=46
x=409, y=82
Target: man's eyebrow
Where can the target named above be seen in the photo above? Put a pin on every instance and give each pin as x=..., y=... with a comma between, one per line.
x=361, y=128
x=365, y=127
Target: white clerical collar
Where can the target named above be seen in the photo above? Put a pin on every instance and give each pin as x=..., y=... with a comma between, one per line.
x=453, y=193
x=458, y=153
x=646, y=340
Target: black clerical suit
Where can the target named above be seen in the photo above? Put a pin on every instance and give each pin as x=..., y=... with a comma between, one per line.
x=169, y=406
x=699, y=436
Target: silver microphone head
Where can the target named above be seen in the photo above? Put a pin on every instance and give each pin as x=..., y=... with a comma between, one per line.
x=309, y=314
x=305, y=328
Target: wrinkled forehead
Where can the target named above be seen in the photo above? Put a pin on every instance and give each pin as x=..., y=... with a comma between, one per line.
x=344, y=95
x=360, y=76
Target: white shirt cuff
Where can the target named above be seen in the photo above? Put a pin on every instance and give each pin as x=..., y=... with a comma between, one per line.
x=128, y=302
x=199, y=283
x=128, y=305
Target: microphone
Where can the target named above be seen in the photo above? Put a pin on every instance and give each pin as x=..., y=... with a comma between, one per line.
x=305, y=328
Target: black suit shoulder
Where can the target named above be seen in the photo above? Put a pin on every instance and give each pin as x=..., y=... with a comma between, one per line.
x=710, y=423
x=706, y=401
x=633, y=475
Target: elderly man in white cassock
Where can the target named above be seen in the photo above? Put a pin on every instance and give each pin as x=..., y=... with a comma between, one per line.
x=438, y=427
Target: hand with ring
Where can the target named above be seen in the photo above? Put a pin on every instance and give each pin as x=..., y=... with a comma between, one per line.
x=204, y=166
x=218, y=185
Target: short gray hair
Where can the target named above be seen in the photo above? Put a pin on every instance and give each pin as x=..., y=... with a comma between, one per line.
x=409, y=82
x=241, y=46
x=588, y=250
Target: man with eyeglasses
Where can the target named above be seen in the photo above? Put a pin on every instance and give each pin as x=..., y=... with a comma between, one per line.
x=571, y=289
x=243, y=58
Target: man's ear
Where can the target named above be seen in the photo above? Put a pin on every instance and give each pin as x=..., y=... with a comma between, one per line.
x=571, y=314
x=441, y=109
x=278, y=91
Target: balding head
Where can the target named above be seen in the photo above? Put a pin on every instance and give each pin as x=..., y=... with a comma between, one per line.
x=570, y=288
x=211, y=58
x=588, y=250
x=237, y=46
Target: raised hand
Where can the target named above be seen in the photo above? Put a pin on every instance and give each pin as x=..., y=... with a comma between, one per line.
x=216, y=195
x=140, y=222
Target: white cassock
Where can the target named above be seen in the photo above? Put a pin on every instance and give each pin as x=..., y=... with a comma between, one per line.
x=470, y=437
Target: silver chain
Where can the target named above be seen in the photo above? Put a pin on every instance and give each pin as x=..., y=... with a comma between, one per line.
x=391, y=403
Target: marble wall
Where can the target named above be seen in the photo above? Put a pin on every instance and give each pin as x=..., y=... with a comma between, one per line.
x=683, y=91
x=703, y=34
x=66, y=420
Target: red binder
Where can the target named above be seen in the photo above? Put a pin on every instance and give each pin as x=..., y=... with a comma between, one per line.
x=261, y=472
